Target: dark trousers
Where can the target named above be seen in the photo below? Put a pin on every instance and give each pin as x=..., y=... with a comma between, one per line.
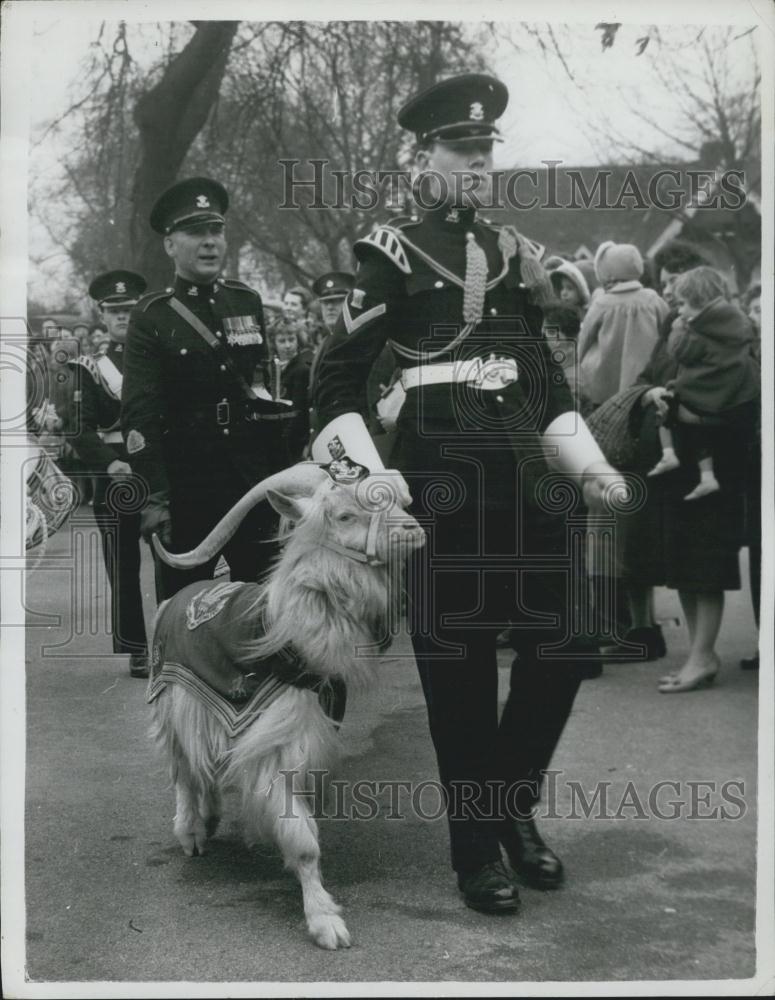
x=492, y=767
x=249, y=553
x=119, y=525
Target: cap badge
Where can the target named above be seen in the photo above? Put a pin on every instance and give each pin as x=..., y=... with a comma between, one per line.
x=477, y=112
x=345, y=471
x=336, y=448
x=120, y=287
x=202, y=201
x=329, y=283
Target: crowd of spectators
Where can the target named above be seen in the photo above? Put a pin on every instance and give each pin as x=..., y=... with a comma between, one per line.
x=683, y=357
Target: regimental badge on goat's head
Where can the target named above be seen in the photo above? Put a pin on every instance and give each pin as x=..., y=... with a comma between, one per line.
x=335, y=447
x=345, y=472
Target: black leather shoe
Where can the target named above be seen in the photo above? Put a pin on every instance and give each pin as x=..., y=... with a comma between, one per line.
x=529, y=856
x=489, y=889
x=138, y=665
x=649, y=636
x=750, y=663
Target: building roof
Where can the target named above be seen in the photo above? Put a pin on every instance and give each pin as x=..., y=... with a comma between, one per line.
x=613, y=202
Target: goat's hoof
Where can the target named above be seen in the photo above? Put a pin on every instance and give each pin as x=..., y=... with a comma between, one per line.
x=193, y=846
x=329, y=931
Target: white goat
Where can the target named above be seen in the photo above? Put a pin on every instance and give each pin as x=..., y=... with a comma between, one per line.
x=326, y=602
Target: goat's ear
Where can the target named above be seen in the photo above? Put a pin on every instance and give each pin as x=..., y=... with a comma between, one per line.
x=290, y=507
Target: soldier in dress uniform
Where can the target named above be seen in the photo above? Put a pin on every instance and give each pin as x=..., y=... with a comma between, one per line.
x=98, y=441
x=331, y=290
x=459, y=300
x=199, y=425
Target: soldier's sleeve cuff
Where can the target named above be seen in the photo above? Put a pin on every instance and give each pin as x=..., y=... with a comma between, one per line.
x=569, y=444
x=346, y=436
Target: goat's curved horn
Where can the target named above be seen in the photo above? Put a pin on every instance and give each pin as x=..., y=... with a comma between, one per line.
x=298, y=480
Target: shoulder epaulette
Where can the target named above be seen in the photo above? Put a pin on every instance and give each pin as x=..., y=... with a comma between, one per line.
x=386, y=240
x=537, y=249
x=405, y=221
x=234, y=283
x=84, y=361
x=151, y=297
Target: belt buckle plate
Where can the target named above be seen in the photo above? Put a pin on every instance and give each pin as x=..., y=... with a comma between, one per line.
x=495, y=373
x=222, y=412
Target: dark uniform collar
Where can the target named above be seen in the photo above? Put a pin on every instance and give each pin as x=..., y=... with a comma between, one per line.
x=455, y=218
x=191, y=291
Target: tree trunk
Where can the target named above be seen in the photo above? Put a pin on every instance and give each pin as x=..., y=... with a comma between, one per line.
x=169, y=117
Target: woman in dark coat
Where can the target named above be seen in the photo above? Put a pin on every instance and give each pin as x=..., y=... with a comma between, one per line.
x=689, y=547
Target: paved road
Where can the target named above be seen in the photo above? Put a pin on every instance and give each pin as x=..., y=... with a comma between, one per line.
x=110, y=896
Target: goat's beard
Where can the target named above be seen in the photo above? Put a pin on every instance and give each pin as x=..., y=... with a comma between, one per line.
x=338, y=615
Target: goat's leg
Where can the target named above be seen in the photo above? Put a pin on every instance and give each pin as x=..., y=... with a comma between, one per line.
x=210, y=809
x=189, y=825
x=296, y=833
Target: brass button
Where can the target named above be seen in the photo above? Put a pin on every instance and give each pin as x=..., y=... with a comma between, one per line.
x=223, y=368
x=225, y=430
x=493, y=311
x=499, y=398
x=438, y=284
x=218, y=333
x=184, y=350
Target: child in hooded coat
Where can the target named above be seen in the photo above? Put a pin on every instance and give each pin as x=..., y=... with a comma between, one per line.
x=570, y=286
x=621, y=328
x=717, y=380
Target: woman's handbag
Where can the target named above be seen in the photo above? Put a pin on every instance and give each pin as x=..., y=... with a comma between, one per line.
x=614, y=426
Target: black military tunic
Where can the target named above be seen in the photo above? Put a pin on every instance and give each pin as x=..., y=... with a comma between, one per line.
x=497, y=551
x=96, y=437
x=191, y=430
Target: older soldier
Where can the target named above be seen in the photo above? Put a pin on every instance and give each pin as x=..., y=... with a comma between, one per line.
x=99, y=444
x=459, y=301
x=199, y=426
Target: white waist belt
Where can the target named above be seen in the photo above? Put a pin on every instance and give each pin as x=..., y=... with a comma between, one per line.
x=111, y=437
x=485, y=373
